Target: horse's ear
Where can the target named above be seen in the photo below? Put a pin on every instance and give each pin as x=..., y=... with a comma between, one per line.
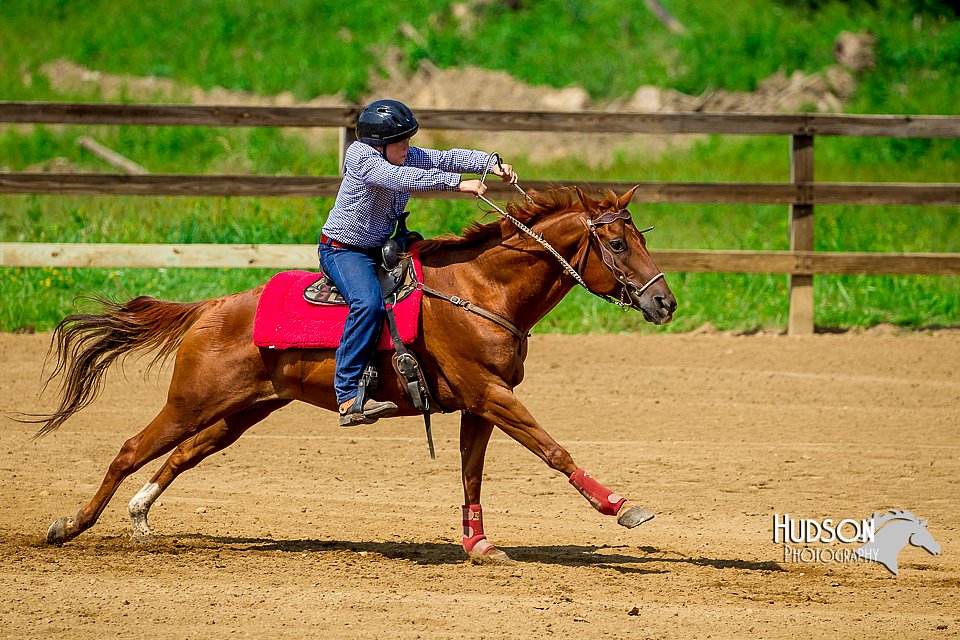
x=625, y=199
x=589, y=205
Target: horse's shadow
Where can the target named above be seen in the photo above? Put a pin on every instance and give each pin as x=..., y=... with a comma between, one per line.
x=622, y=558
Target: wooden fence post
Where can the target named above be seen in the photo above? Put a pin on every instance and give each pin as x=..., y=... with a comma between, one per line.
x=801, y=234
x=348, y=136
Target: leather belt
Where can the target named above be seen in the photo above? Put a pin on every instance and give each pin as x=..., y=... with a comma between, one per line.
x=330, y=242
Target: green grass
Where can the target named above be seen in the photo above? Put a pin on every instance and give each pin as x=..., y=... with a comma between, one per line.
x=313, y=48
x=320, y=47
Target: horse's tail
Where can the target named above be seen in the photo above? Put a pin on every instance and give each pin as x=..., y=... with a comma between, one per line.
x=87, y=345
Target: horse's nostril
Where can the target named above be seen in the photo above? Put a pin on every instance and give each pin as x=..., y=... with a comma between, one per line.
x=668, y=304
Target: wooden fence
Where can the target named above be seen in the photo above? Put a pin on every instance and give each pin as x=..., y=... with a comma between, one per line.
x=801, y=193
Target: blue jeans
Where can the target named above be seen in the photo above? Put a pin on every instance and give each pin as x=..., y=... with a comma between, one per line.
x=354, y=272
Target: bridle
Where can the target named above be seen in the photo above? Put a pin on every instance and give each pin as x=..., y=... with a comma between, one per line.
x=592, y=224
x=611, y=262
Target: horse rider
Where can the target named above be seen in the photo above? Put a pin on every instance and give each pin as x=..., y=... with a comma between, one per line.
x=380, y=171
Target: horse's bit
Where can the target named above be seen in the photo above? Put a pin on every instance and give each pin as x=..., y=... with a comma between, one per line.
x=591, y=225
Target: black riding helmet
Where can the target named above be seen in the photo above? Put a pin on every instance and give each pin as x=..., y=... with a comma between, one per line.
x=384, y=122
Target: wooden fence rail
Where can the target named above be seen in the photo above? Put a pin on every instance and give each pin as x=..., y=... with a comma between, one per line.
x=326, y=187
x=280, y=256
x=482, y=120
x=801, y=193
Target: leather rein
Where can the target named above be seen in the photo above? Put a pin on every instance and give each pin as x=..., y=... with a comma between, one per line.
x=591, y=224
x=606, y=255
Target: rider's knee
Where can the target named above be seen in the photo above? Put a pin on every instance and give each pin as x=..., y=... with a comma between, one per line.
x=370, y=306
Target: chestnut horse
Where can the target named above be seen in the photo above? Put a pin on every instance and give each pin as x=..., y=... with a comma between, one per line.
x=222, y=384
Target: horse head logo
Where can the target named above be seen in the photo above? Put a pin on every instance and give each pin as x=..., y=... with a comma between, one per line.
x=899, y=528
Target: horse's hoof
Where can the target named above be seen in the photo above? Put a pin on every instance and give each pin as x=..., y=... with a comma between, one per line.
x=633, y=515
x=493, y=556
x=485, y=553
x=143, y=538
x=57, y=533
x=141, y=530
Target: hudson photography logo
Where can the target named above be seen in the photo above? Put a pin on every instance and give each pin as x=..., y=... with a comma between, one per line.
x=879, y=538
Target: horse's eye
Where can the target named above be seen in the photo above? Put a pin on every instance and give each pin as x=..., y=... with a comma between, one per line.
x=618, y=245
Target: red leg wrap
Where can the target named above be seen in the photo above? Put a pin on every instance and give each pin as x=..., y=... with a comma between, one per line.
x=473, y=537
x=603, y=500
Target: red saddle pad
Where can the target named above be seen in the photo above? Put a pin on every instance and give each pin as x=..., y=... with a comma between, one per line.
x=284, y=320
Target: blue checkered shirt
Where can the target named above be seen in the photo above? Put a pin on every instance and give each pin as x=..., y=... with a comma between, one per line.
x=374, y=192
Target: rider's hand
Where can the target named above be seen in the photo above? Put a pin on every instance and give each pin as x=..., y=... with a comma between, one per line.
x=475, y=187
x=506, y=172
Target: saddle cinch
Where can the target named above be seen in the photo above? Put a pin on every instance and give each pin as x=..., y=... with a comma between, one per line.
x=398, y=279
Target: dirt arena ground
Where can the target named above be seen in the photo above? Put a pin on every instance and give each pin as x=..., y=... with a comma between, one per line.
x=302, y=529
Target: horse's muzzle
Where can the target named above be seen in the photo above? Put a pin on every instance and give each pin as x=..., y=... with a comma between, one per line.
x=657, y=304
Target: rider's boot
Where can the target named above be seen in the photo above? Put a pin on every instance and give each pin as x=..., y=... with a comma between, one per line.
x=352, y=413
x=363, y=409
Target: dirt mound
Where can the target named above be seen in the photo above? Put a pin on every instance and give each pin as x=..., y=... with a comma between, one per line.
x=475, y=88
x=71, y=78
x=823, y=92
x=855, y=51
x=467, y=88
x=482, y=89
x=67, y=77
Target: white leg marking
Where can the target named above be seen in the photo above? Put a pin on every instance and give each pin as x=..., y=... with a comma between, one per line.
x=139, y=506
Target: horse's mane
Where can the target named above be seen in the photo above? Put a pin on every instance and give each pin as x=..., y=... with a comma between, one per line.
x=527, y=210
